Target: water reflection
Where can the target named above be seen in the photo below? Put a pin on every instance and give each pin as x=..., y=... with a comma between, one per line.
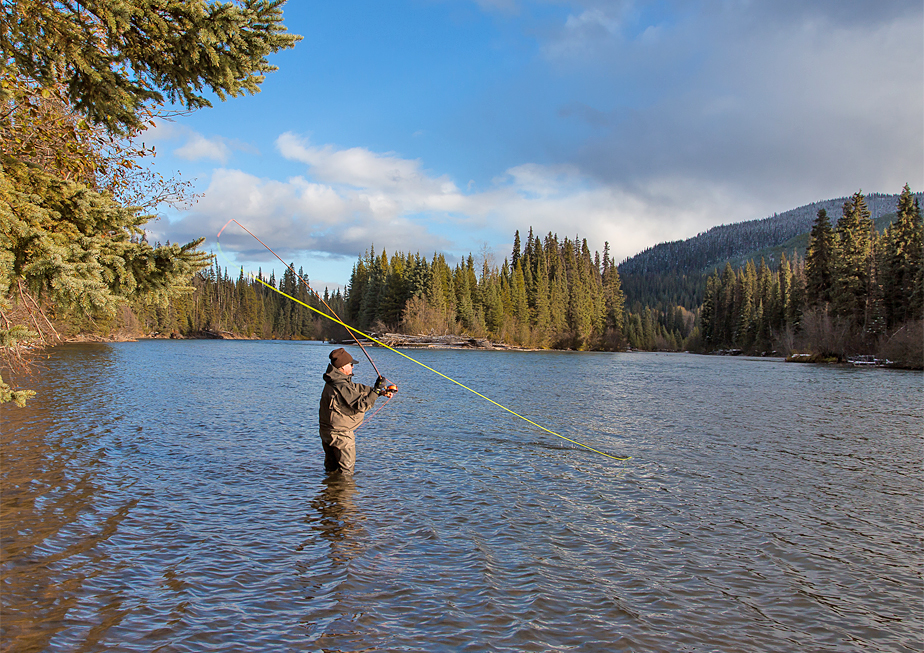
x=57, y=514
x=327, y=574
x=337, y=519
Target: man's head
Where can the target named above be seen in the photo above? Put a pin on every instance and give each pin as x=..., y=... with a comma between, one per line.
x=341, y=359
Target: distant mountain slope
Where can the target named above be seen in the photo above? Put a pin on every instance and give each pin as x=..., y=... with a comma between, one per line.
x=741, y=240
x=673, y=274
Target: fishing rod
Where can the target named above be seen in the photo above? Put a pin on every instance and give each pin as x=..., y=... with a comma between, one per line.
x=316, y=294
x=354, y=331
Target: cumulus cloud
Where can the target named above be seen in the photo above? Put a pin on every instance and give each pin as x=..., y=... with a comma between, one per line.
x=298, y=216
x=361, y=168
x=193, y=145
x=198, y=147
x=369, y=199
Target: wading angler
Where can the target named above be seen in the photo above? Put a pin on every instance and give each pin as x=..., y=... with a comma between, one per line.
x=343, y=406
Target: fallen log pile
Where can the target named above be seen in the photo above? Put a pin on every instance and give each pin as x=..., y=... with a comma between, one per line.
x=437, y=342
x=425, y=341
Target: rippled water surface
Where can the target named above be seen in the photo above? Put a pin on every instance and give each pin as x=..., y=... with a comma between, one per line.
x=170, y=496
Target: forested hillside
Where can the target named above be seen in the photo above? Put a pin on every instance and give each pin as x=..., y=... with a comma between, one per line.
x=554, y=293
x=736, y=243
x=674, y=273
x=858, y=292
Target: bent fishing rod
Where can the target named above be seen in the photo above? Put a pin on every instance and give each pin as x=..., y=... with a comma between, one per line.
x=354, y=332
x=300, y=278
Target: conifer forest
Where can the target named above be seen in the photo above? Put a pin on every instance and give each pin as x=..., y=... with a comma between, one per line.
x=853, y=290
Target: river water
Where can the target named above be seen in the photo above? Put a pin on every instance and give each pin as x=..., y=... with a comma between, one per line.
x=170, y=496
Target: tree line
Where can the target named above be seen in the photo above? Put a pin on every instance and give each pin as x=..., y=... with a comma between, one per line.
x=551, y=293
x=220, y=304
x=854, y=290
x=857, y=291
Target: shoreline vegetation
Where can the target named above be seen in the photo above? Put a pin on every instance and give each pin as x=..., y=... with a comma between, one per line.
x=855, y=298
x=855, y=295
x=465, y=342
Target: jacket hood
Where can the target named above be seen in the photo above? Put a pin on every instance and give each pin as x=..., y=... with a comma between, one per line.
x=335, y=376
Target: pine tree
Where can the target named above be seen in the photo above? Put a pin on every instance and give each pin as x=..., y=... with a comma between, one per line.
x=357, y=288
x=707, y=315
x=115, y=57
x=494, y=308
x=518, y=296
x=614, y=300
x=797, y=300
x=558, y=302
x=819, y=262
x=854, y=237
x=464, y=307
x=72, y=246
x=542, y=313
x=902, y=263
x=745, y=292
x=729, y=307
x=515, y=254
x=784, y=276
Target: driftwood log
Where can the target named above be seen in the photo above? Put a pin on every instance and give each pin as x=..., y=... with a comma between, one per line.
x=430, y=341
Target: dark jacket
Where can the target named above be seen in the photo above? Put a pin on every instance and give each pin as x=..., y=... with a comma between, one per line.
x=343, y=402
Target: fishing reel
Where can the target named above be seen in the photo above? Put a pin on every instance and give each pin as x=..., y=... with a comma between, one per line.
x=383, y=387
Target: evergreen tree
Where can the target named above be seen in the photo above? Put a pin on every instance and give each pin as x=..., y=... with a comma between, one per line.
x=854, y=237
x=614, y=300
x=357, y=288
x=797, y=295
x=515, y=254
x=558, y=302
x=784, y=275
x=114, y=58
x=902, y=263
x=73, y=247
x=819, y=262
x=542, y=313
x=745, y=292
x=494, y=308
x=729, y=308
x=63, y=243
x=708, y=312
x=518, y=296
x=464, y=307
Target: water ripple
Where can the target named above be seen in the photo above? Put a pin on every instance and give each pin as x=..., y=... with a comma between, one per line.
x=169, y=496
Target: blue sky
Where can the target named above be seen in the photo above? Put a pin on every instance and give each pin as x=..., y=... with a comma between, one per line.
x=445, y=125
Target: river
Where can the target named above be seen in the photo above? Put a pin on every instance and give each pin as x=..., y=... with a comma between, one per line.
x=170, y=496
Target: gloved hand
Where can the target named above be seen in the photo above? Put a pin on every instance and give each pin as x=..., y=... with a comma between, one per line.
x=384, y=389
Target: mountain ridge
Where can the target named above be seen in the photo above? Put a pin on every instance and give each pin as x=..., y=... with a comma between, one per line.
x=701, y=253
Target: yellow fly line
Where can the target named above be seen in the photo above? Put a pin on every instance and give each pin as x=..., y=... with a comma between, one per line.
x=379, y=342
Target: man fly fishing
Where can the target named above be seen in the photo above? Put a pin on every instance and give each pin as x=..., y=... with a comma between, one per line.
x=343, y=406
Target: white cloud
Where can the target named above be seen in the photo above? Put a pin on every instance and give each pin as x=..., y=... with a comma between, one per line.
x=195, y=146
x=198, y=147
x=411, y=211
x=360, y=167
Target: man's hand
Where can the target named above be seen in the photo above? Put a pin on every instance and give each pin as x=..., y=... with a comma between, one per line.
x=385, y=389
